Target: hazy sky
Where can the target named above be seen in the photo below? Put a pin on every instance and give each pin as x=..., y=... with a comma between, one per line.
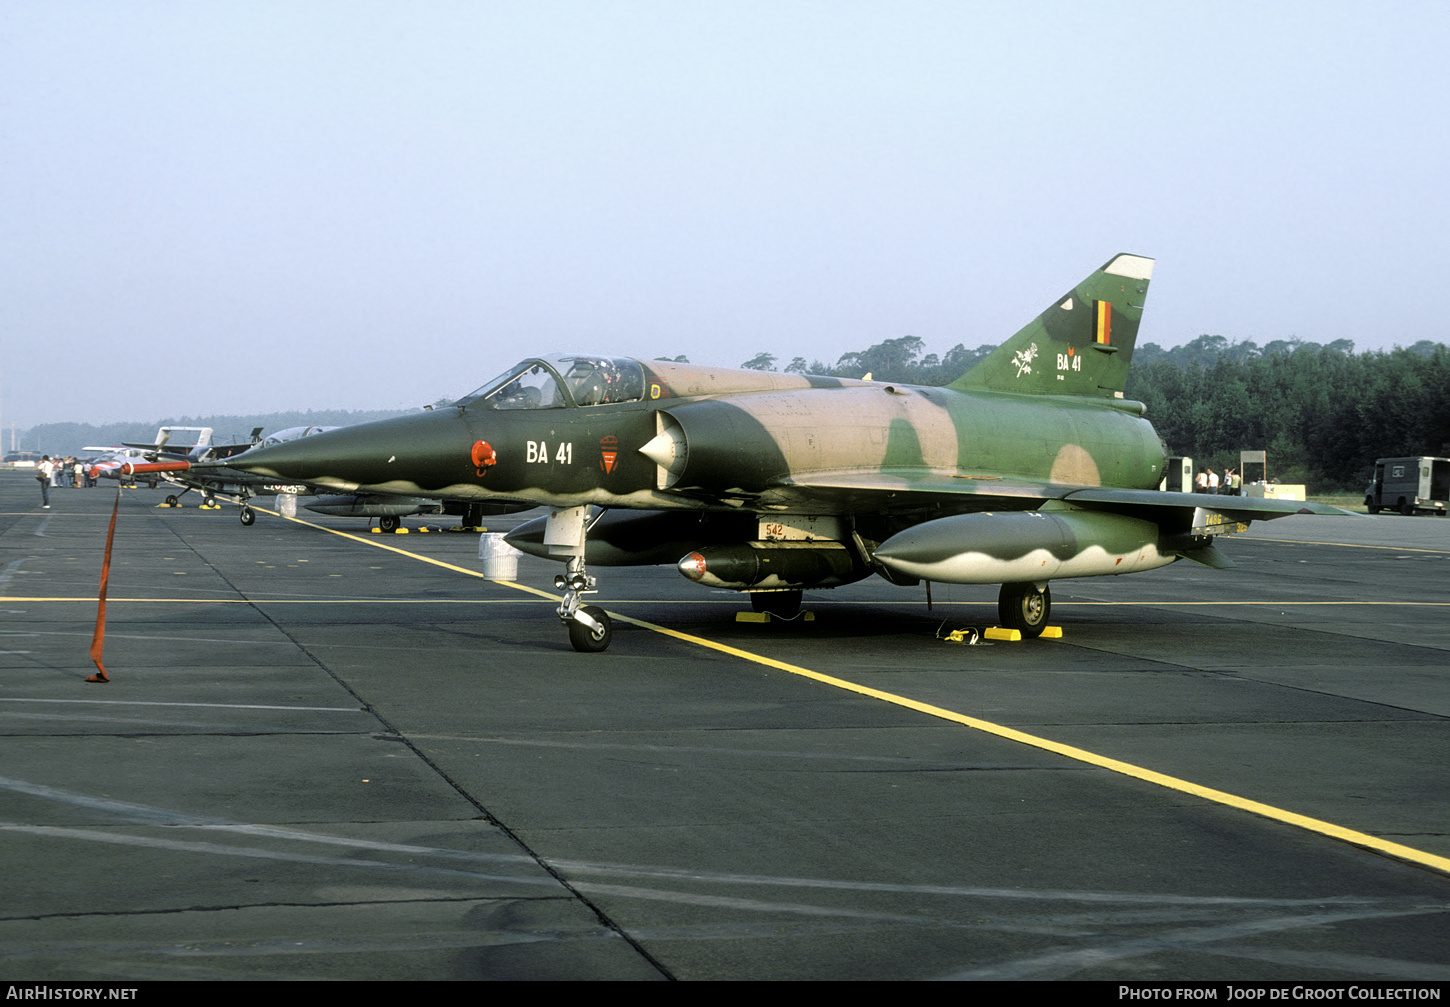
x=236, y=207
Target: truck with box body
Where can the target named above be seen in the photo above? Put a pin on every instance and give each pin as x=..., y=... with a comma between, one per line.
x=1409, y=485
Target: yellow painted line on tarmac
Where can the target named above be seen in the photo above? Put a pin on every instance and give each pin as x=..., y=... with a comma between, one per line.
x=1251, y=604
x=400, y=552
x=1068, y=751
x=279, y=601
x=816, y=603
x=987, y=727
x=1347, y=545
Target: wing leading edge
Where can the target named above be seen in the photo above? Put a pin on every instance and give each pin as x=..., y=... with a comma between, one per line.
x=1014, y=492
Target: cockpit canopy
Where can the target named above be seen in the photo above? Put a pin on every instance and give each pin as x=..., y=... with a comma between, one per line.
x=292, y=434
x=561, y=381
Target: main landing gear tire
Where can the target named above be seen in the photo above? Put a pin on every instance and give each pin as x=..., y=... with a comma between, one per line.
x=1024, y=608
x=248, y=516
x=389, y=523
x=171, y=500
x=781, y=604
x=586, y=640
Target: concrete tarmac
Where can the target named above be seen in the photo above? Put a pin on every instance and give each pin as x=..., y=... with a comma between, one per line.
x=347, y=756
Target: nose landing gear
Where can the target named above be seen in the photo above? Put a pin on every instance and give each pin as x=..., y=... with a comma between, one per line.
x=590, y=629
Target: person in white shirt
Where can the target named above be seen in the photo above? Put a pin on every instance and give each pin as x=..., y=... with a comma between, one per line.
x=43, y=473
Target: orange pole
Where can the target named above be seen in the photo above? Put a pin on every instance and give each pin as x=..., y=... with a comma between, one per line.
x=98, y=641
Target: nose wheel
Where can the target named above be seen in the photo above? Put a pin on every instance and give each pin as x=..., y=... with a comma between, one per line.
x=590, y=629
x=590, y=639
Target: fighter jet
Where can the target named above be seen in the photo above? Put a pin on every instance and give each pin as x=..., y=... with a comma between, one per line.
x=1028, y=468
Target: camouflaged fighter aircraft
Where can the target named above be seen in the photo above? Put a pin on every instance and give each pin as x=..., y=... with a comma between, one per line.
x=1029, y=467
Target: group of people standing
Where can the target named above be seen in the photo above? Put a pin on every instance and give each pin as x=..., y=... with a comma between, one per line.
x=60, y=472
x=1207, y=481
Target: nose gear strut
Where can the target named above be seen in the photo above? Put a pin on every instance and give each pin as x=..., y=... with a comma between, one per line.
x=589, y=627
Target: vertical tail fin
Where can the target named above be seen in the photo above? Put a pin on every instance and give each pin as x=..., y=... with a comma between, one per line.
x=1082, y=345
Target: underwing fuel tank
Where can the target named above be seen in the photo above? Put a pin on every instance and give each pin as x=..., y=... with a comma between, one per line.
x=1022, y=547
x=760, y=564
x=356, y=505
x=640, y=537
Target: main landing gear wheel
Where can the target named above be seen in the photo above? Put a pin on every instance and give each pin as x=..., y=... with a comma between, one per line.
x=389, y=523
x=247, y=515
x=589, y=640
x=208, y=501
x=1024, y=608
x=171, y=500
x=781, y=604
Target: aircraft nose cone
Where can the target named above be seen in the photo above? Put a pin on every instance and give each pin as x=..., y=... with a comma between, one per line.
x=420, y=451
x=529, y=537
x=692, y=566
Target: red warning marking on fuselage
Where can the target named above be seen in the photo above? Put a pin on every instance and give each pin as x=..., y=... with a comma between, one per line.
x=484, y=457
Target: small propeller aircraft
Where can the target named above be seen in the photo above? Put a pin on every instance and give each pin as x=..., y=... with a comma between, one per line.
x=1028, y=468
x=132, y=459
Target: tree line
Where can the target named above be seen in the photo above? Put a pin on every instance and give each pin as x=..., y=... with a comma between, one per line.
x=899, y=360
x=1322, y=413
